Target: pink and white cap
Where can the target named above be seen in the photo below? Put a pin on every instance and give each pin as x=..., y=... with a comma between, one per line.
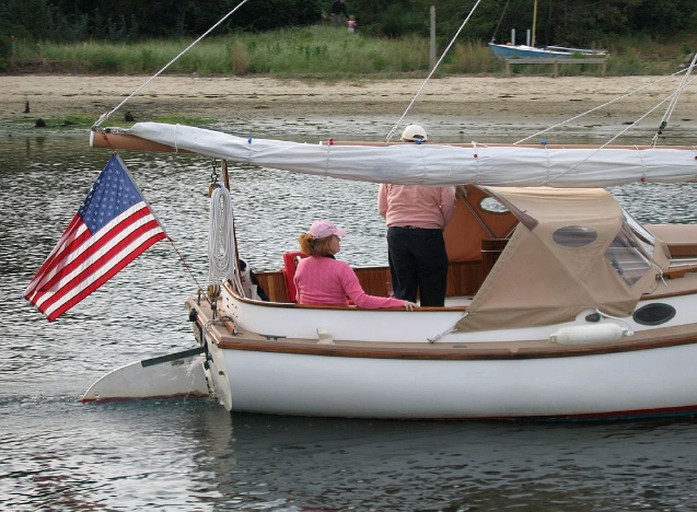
x=325, y=228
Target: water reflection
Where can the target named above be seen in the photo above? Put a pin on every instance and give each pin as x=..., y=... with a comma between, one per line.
x=192, y=455
x=304, y=464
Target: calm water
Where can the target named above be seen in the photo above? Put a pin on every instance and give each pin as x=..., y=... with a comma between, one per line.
x=57, y=454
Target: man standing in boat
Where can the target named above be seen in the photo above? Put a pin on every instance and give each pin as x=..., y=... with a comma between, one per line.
x=416, y=217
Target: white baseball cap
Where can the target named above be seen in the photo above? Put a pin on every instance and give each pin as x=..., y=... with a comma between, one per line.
x=414, y=133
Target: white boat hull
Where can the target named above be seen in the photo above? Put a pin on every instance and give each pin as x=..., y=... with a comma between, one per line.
x=621, y=384
x=648, y=373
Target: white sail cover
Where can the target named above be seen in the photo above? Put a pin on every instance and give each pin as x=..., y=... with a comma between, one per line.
x=438, y=164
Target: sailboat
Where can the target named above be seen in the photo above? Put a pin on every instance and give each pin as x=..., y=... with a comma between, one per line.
x=530, y=50
x=560, y=304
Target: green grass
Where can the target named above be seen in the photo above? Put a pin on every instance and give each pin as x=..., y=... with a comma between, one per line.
x=316, y=52
x=313, y=51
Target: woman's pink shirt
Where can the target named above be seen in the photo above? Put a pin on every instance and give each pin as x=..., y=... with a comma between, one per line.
x=327, y=281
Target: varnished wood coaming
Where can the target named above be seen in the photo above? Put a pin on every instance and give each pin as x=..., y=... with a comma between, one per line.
x=227, y=338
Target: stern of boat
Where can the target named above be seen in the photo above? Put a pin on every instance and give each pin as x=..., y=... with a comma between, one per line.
x=204, y=317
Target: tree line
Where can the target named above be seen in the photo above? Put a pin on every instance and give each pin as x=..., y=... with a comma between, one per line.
x=560, y=22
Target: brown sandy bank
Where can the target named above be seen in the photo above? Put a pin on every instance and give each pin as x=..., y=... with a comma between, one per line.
x=540, y=98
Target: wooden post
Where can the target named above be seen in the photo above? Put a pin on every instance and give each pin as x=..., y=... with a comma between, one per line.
x=433, y=38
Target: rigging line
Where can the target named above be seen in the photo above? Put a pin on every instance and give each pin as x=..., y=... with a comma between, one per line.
x=184, y=263
x=673, y=103
x=498, y=25
x=445, y=52
x=106, y=116
x=610, y=141
x=152, y=212
x=614, y=100
x=671, y=96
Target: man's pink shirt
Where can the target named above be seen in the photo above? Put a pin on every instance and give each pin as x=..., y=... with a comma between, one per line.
x=416, y=205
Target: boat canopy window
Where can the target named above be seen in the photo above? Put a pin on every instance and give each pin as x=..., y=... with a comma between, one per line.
x=575, y=236
x=630, y=252
x=643, y=235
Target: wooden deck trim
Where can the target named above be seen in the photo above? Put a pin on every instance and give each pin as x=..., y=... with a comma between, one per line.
x=227, y=338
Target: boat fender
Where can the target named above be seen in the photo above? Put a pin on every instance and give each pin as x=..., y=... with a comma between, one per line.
x=595, y=333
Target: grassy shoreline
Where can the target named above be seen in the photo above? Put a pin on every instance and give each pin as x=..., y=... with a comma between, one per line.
x=318, y=52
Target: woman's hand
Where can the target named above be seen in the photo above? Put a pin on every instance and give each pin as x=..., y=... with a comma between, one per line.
x=409, y=306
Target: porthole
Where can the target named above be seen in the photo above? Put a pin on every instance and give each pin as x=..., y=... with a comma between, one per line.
x=491, y=205
x=654, y=314
x=575, y=236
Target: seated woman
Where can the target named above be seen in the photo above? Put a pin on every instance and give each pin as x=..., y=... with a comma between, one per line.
x=322, y=279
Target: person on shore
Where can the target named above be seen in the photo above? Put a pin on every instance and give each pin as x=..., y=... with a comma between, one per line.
x=322, y=279
x=352, y=24
x=339, y=13
x=416, y=216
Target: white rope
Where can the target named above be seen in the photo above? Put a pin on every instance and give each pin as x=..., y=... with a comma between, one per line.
x=222, y=253
x=445, y=52
x=542, y=132
x=106, y=116
x=671, y=107
x=629, y=127
x=630, y=331
x=607, y=143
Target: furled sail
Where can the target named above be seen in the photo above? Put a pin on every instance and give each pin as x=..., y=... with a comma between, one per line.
x=438, y=164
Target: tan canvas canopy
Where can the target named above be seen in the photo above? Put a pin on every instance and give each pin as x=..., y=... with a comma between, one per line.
x=573, y=250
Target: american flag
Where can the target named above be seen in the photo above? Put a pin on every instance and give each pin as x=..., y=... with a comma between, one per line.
x=113, y=227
